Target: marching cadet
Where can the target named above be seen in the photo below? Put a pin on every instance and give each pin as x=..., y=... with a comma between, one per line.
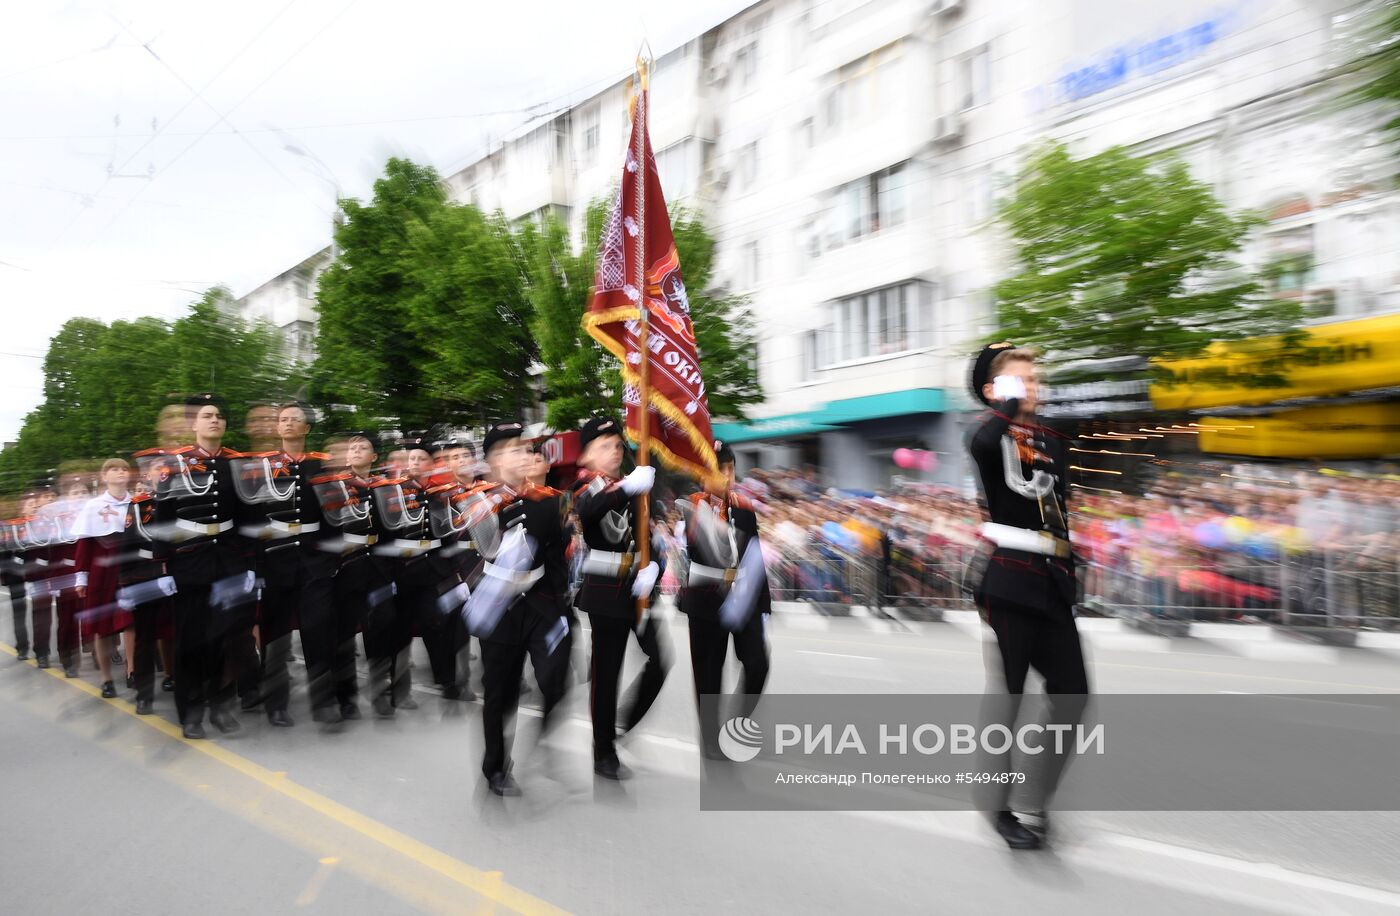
x=98, y=528
x=612, y=581
x=280, y=521
x=143, y=588
x=444, y=634
x=362, y=590
x=407, y=550
x=520, y=606
x=17, y=558
x=1028, y=591
x=36, y=535
x=721, y=531
x=61, y=581
x=195, y=516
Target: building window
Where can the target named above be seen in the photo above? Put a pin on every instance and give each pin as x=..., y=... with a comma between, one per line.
x=679, y=166
x=880, y=322
x=804, y=137
x=867, y=205
x=746, y=65
x=748, y=165
x=590, y=136
x=811, y=354
x=749, y=271
x=974, y=78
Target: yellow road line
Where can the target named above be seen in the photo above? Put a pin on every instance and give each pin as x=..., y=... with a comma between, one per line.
x=490, y=885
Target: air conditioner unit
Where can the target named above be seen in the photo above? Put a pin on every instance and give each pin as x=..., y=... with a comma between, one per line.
x=722, y=170
x=718, y=73
x=945, y=7
x=948, y=128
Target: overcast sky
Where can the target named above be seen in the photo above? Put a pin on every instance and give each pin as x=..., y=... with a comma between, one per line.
x=145, y=143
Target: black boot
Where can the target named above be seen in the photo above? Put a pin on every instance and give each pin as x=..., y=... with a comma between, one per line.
x=1014, y=832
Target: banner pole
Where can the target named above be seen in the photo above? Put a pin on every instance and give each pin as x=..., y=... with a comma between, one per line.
x=644, y=370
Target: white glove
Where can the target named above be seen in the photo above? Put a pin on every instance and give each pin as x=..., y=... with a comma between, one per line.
x=1006, y=387
x=639, y=481
x=646, y=580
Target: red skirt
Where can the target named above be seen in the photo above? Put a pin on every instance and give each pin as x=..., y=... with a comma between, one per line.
x=100, y=613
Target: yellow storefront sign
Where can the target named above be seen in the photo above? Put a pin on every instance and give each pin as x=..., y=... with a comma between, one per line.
x=1331, y=359
x=1326, y=431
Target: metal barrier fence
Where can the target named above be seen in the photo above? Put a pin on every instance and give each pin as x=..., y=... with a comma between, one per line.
x=1331, y=589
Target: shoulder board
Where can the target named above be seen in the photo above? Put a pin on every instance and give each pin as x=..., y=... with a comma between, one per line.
x=230, y=453
x=254, y=454
x=141, y=498
x=386, y=481
x=540, y=493
x=148, y=452
x=698, y=498
x=741, y=502
x=182, y=450
x=331, y=478
x=319, y=456
x=442, y=488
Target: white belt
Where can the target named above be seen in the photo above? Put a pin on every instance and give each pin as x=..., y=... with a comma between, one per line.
x=711, y=575
x=277, y=530
x=368, y=540
x=145, y=554
x=208, y=529
x=607, y=563
x=40, y=561
x=294, y=527
x=406, y=548
x=457, y=547
x=523, y=581
x=1026, y=539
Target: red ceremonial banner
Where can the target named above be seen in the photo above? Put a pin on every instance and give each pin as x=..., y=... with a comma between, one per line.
x=679, y=429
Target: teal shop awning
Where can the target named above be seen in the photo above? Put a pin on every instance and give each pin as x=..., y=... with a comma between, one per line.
x=836, y=415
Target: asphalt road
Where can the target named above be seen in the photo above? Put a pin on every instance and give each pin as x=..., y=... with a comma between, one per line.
x=107, y=810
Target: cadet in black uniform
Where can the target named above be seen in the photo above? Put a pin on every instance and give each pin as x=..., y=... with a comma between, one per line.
x=362, y=590
x=282, y=521
x=532, y=615
x=409, y=552
x=142, y=584
x=612, y=581
x=1028, y=592
x=195, y=516
x=716, y=545
x=449, y=488
x=18, y=568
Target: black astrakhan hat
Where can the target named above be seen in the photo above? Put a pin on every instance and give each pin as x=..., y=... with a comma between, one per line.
x=510, y=429
x=982, y=368
x=597, y=428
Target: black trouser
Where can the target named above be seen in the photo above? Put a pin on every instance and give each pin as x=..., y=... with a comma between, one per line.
x=199, y=655
x=67, y=604
x=709, y=646
x=420, y=581
x=323, y=637
x=1049, y=643
x=282, y=597
x=502, y=664
x=362, y=596
x=610, y=636
x=19, y=609
x=445, y=638
x=145, y=621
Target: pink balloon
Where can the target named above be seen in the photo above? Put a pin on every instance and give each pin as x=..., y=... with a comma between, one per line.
x=927, y=460
x=903, y=458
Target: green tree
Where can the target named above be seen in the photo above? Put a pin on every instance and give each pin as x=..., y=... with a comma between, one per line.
x=1378, y=64
x=1120, y=255
x=104, y=385
x=370, y=354
x=465, y=301
x=580, y=378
